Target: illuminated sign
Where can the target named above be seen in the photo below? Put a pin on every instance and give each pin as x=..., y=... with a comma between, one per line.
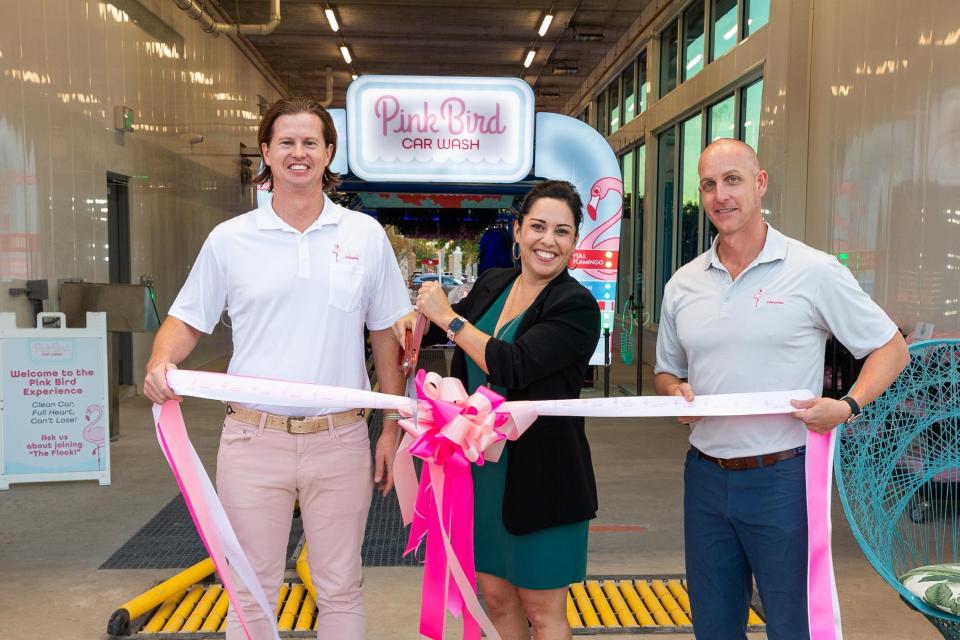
x=409, y=128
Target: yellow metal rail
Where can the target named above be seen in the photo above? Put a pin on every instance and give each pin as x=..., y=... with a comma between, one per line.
x=628, y=604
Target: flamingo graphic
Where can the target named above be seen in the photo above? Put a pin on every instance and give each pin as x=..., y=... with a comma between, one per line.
x=94, y=432
x=599, y=191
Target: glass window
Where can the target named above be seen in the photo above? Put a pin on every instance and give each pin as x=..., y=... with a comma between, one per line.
x=629, y=95
x=693, y=40
x=756, y=14
x=643, y=87
x=750, y=113
x=627, y=183
x=613, y=102
x=641, y=163
x=691, y=136
x=666, y=179
x=602, y=112
x=722, y=122
x=723, y=33
x=624, y=288
x=668, y=60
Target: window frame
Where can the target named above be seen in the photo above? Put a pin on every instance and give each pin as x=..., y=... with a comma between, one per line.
x=705, y=231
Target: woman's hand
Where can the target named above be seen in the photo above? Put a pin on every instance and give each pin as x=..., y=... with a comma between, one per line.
x=432, y=302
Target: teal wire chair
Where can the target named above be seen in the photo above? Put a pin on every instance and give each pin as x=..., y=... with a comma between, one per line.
x=898, y=473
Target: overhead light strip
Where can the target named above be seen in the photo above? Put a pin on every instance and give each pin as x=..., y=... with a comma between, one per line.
x=529, y=59
x=332, y=19
x=547, y=19
x=345, y=52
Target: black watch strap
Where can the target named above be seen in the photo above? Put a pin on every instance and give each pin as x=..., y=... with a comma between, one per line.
x=855, y=409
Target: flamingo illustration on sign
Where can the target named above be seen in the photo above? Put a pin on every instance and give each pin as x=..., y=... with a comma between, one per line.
x=594, y=240
x=94, y=433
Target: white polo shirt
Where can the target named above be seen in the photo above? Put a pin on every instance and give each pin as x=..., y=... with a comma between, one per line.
x=765, y=331
x=297, y=302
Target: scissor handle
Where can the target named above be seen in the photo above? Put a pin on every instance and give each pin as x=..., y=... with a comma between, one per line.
x=411, y=346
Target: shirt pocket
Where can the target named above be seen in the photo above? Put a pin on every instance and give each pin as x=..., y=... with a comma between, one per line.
x=346, y=286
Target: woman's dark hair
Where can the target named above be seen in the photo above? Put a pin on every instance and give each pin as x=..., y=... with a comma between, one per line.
x=291, y=107
x=558, y=190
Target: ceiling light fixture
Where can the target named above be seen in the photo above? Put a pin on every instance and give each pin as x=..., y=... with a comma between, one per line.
x=529, y=59
x=332, y=19
x=354, y=76
x=345, y=52
x=547, y=19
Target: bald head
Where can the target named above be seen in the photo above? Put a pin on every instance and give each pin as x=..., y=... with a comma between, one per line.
x=736, y=149
x=732, y=185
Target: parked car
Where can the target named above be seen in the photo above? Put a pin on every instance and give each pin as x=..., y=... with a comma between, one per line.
x=449, y=282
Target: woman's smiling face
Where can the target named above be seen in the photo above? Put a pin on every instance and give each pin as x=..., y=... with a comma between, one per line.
x=547, y=237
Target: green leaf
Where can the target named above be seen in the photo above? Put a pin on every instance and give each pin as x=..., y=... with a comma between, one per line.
x=939, y=595
x=955, y=606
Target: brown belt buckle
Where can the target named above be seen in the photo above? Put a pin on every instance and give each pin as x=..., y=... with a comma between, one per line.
x=290, y=420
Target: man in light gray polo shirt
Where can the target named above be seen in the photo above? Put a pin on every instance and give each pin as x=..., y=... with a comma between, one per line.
x=752, y=314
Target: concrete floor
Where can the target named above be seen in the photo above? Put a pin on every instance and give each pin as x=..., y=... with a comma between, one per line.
x=54, y=536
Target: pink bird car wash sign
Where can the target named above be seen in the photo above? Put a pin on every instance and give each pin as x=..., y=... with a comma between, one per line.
x=53, y=386
x=402, y=128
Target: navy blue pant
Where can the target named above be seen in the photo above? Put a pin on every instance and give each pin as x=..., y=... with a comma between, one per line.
x=740, y=524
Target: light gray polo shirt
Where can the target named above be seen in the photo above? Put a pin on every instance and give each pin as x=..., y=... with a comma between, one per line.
x=765, y=331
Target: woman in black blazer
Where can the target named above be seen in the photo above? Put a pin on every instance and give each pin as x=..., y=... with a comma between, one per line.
x=529, y=334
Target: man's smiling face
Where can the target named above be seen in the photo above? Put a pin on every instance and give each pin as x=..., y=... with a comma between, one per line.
x=297, y=153
x=732, y=185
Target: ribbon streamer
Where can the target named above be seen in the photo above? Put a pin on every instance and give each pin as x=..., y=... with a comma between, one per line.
x=207, y=512
x=455, y=430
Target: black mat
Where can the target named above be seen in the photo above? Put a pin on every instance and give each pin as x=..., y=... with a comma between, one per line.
x=169, y=540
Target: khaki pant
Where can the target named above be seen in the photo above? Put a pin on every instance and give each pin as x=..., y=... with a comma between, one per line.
x=260, y=473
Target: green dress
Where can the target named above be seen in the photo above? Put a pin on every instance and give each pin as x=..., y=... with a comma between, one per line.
x=547, y=559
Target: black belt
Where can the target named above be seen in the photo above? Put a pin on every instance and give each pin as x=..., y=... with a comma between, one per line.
x=751, y=462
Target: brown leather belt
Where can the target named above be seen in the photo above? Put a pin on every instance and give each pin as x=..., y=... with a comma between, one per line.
x=752, y=462
x=297, y=425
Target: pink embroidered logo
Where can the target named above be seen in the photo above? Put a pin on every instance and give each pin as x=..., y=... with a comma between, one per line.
x=760, y=297
x=338, y=252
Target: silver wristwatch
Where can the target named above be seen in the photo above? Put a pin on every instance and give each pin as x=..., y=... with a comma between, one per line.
x=455, y=326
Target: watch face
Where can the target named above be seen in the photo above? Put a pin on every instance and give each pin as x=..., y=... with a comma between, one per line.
x=455, y=325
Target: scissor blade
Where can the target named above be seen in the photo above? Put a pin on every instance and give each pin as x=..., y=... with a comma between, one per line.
x=412, y=395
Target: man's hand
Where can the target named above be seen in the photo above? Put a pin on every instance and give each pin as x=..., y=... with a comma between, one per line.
x=821, y=414
x=383, y=458
x=155, y=382
x=685, y=390
x=404, y=324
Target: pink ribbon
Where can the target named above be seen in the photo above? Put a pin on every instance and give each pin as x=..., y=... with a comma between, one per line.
x=452, y=432
x=207, y=513
x=823, y=605
x=456, y=430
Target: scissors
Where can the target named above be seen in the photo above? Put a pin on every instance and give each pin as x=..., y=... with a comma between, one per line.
x=411, y=354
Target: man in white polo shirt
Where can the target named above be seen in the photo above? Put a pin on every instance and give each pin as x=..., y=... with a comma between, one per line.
x=752, y=314
x=300, y=278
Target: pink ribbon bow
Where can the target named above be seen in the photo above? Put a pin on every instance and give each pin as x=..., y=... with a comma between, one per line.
x=453, y=431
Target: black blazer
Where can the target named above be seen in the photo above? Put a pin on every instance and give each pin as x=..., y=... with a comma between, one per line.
x=550, y=479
